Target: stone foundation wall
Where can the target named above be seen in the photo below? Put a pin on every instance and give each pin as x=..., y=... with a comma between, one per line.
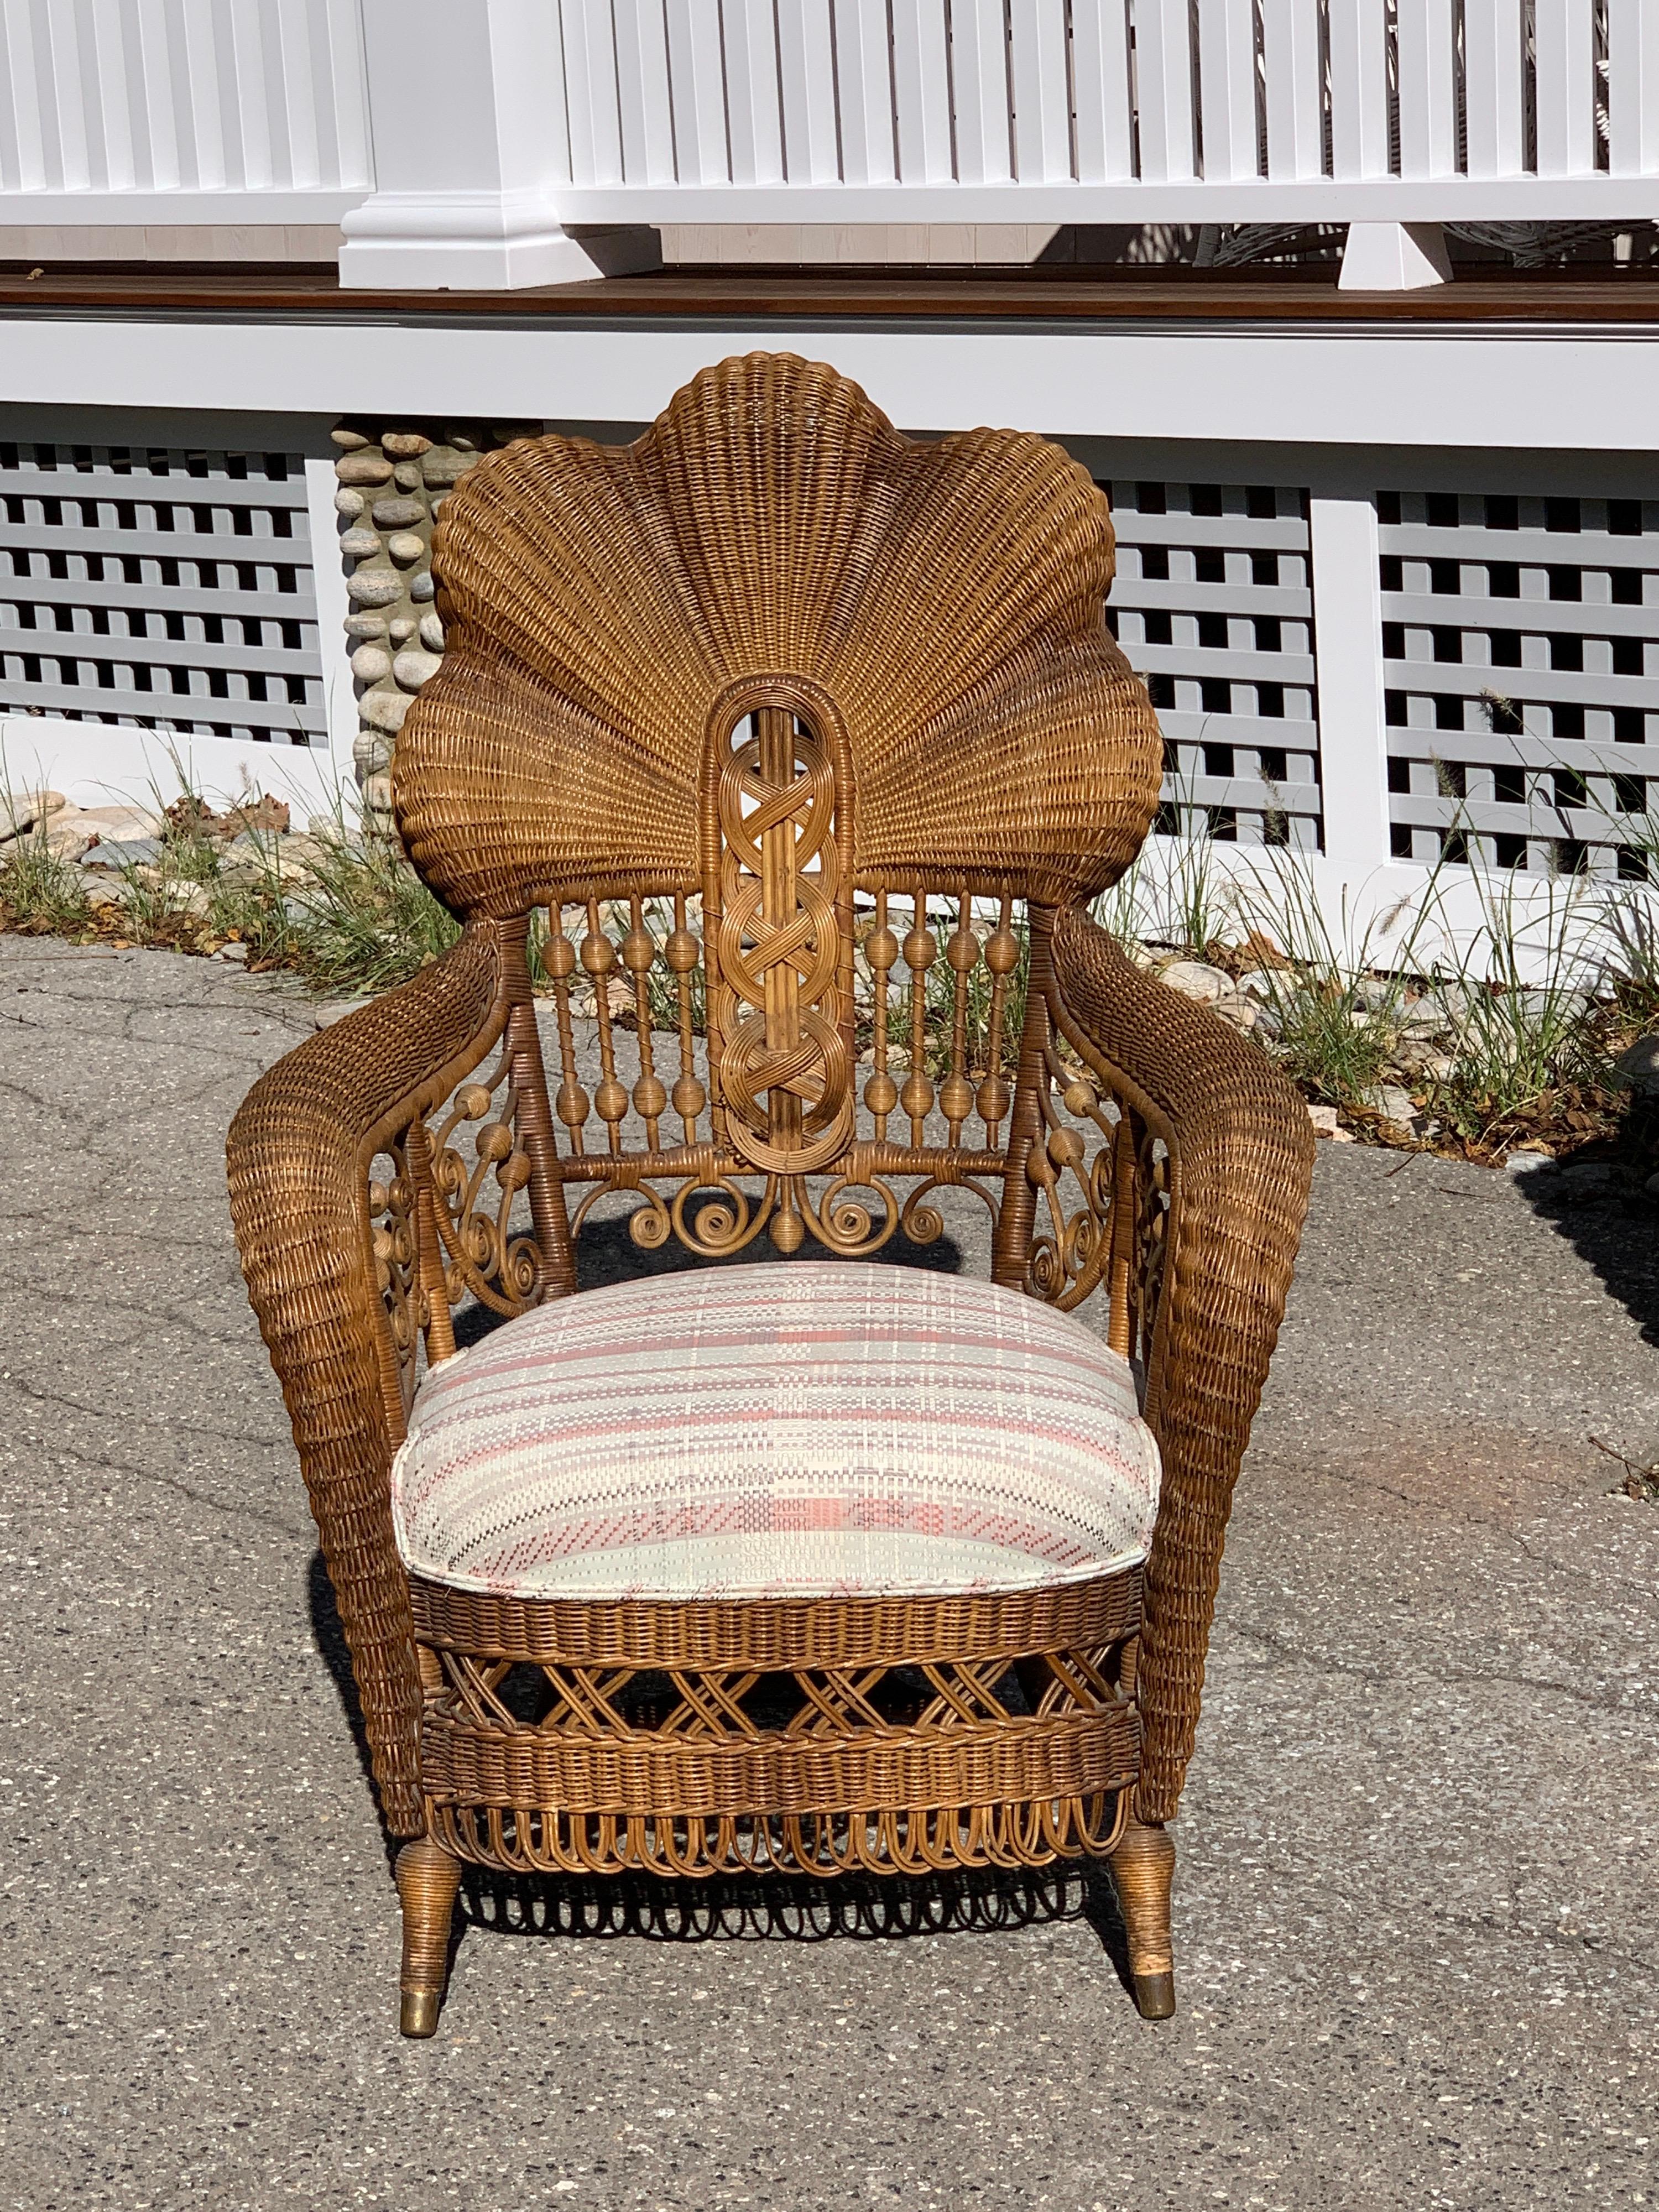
x=393, y=484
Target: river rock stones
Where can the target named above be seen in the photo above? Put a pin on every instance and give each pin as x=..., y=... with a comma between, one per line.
x=395, y=478
x=364, y=469
x=398, y=512
x=370, y=663
x=413, y=668
x=375, y=588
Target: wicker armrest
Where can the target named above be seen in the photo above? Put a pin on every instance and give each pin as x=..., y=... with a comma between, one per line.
x=298, y=1158
x=1240, y=1158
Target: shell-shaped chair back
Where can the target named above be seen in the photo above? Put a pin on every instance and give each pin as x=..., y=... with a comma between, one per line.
x=771, y=656
x=931, y=612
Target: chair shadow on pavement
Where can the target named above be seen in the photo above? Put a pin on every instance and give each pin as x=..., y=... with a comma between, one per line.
x=1615, y=1227
x=761, y=1908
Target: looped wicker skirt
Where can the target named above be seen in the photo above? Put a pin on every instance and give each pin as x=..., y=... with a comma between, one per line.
x=817, y=1735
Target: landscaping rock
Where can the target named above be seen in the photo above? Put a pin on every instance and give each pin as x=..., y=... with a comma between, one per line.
x=432, y=633
x=70, y=835
x=421, y=586
x=443, y=464
x=360, y=544
x=364, y=469
x=1414, y=1054
x=1555, y=1005
x=99, y=892
x=1234, y=1008
x=349, y=503
x=1455, y=1000
x=375, y=588
x=385, y=710
x=370, y=663
x=1389, y=1102
x=119, y=821
x=371, y=752
x=1423, y=1018
x=1325, y=1124
x=21, y=811
x=256, y=856
x=119, y=853
x=1196, y=979
x=405, y=546
x=325, y=1017
x=1525, y=1163
x=398, y=512
x=413, y=668
x=1640, y=1065
x=1265, y=984
x=234, y=951
x=364, y=625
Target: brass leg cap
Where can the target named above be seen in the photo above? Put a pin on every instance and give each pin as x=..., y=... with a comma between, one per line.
x=418, y=2012
x=1155, y=1997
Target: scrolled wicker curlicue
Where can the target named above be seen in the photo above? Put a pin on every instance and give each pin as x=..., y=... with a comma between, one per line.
x=790, y=755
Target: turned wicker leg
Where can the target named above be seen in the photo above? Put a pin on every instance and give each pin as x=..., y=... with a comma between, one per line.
x=1143, y=1867
x=428, y=1879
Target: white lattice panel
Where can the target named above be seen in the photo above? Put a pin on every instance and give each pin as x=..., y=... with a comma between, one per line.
x=164, y=589
x=1521, y=646
x=1213, y=607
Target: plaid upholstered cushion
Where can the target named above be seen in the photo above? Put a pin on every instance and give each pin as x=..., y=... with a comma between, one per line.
x=811, y=1429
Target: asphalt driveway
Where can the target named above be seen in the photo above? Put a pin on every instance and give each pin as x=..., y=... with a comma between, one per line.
x=1418, y=1896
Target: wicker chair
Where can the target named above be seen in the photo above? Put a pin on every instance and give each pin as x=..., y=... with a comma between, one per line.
x=737, y=729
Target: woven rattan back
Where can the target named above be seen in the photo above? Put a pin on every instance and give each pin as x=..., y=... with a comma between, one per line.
x=934, y=612
x=776, y=723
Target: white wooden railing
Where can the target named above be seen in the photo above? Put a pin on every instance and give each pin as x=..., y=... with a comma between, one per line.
x=191, y=111
x=906, y=112
x=467, y=137
x=1273, y=107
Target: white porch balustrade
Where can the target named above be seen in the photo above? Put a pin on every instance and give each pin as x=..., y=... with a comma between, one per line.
x=464, y=140
x=186, y=111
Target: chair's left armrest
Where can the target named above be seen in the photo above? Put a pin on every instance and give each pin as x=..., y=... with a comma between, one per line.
x=1240, y=1159
x=297, y=1160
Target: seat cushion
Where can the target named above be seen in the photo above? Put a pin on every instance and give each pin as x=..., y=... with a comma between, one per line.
x=808, y=1429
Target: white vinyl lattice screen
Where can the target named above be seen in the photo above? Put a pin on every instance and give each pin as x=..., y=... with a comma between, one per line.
x=1520, y=643
x=1213, y=605
x=166, y=589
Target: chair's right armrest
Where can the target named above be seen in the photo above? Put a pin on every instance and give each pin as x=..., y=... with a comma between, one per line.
x=298, y=1158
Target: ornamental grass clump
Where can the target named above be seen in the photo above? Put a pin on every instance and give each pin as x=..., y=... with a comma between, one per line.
x=1532, y=1040
x=361, y=920
x=40, y=892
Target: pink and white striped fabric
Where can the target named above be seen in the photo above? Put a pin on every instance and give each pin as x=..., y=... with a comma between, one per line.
x=814, y=1429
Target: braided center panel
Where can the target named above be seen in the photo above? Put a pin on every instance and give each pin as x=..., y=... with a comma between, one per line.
x=784, y=1062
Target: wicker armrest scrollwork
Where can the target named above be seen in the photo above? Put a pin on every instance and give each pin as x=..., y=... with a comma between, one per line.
x=298, y=1157
x=1240, y=1160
